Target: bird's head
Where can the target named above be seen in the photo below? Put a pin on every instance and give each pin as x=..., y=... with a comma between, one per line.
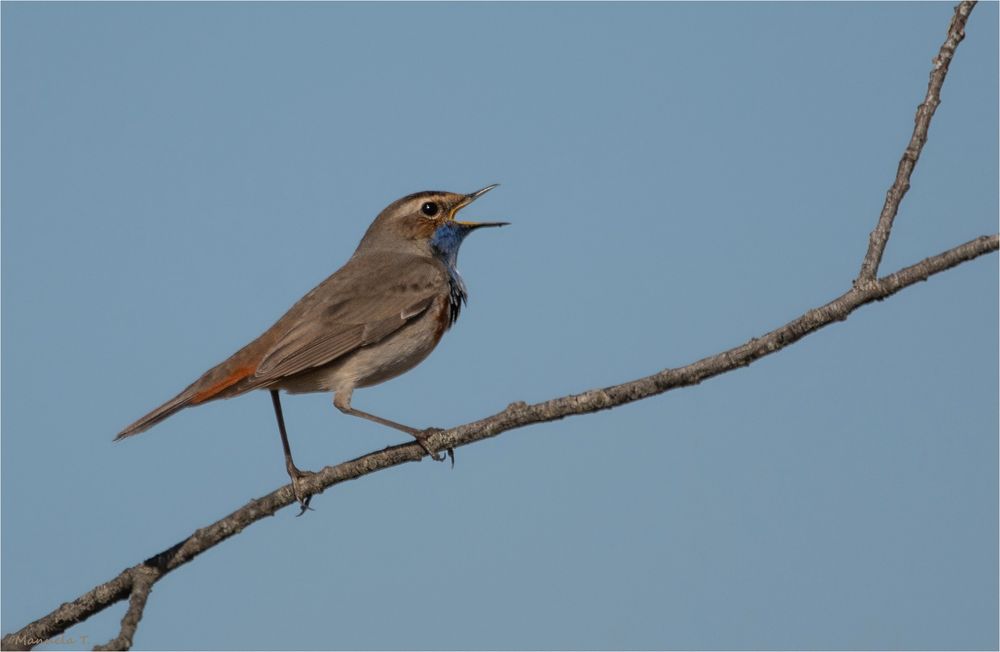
x=424, y=222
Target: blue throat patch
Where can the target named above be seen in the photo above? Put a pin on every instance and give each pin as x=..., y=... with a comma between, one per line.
x=446, y=240
x=445, y=243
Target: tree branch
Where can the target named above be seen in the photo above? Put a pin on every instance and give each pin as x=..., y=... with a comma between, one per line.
x=142, y=584
x=880, y=235
x=517, y=415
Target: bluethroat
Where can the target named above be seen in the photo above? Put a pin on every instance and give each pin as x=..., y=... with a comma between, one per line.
x=375, y=318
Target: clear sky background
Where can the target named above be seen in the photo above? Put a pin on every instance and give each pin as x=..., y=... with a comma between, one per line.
x=680, y=178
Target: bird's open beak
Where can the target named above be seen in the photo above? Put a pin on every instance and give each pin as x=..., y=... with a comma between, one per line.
x=471, y=197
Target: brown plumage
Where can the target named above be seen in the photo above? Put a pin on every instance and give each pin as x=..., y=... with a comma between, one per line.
x=376, y=317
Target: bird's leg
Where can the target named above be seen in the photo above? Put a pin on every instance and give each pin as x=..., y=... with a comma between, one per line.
x=293, y=471
x=342, y=401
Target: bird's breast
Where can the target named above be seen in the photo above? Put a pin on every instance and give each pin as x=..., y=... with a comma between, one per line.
x=457, y=295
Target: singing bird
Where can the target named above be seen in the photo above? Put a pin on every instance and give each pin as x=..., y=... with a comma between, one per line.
x=375, y=318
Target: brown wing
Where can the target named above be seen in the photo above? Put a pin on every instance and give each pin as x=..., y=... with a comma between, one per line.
x=362, y=305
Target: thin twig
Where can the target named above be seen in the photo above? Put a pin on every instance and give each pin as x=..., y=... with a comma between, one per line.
x=880, y=235
x=516, y=415
x=142, y=584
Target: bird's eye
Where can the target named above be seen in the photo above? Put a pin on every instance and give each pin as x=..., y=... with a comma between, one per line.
x=430, y=209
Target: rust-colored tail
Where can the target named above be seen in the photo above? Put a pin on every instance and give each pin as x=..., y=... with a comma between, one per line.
x=222, y=381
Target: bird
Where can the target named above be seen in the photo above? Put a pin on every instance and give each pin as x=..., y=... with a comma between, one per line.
x=377, y=317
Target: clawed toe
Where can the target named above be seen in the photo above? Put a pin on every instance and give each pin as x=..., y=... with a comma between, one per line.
x=421, y=437
x=437, y=457
x=301, y=495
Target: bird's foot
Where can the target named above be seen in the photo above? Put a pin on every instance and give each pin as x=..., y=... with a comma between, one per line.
x=421, y=437
x=300, y=492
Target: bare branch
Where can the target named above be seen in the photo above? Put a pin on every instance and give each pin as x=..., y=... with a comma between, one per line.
x=142, y=584
x=516, y=415
x=922, y=122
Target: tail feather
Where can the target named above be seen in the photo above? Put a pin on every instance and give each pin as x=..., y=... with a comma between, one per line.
x=230, y=378
x=171, y=407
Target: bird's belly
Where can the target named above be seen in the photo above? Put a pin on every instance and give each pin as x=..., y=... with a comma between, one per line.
x=376, y=363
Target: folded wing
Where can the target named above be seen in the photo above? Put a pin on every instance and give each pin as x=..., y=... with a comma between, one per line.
x=399, y=290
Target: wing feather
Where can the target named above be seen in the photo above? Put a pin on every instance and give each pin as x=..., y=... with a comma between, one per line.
x=349, y=315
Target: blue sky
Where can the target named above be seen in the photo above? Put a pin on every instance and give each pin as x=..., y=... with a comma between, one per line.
x=680, y=178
